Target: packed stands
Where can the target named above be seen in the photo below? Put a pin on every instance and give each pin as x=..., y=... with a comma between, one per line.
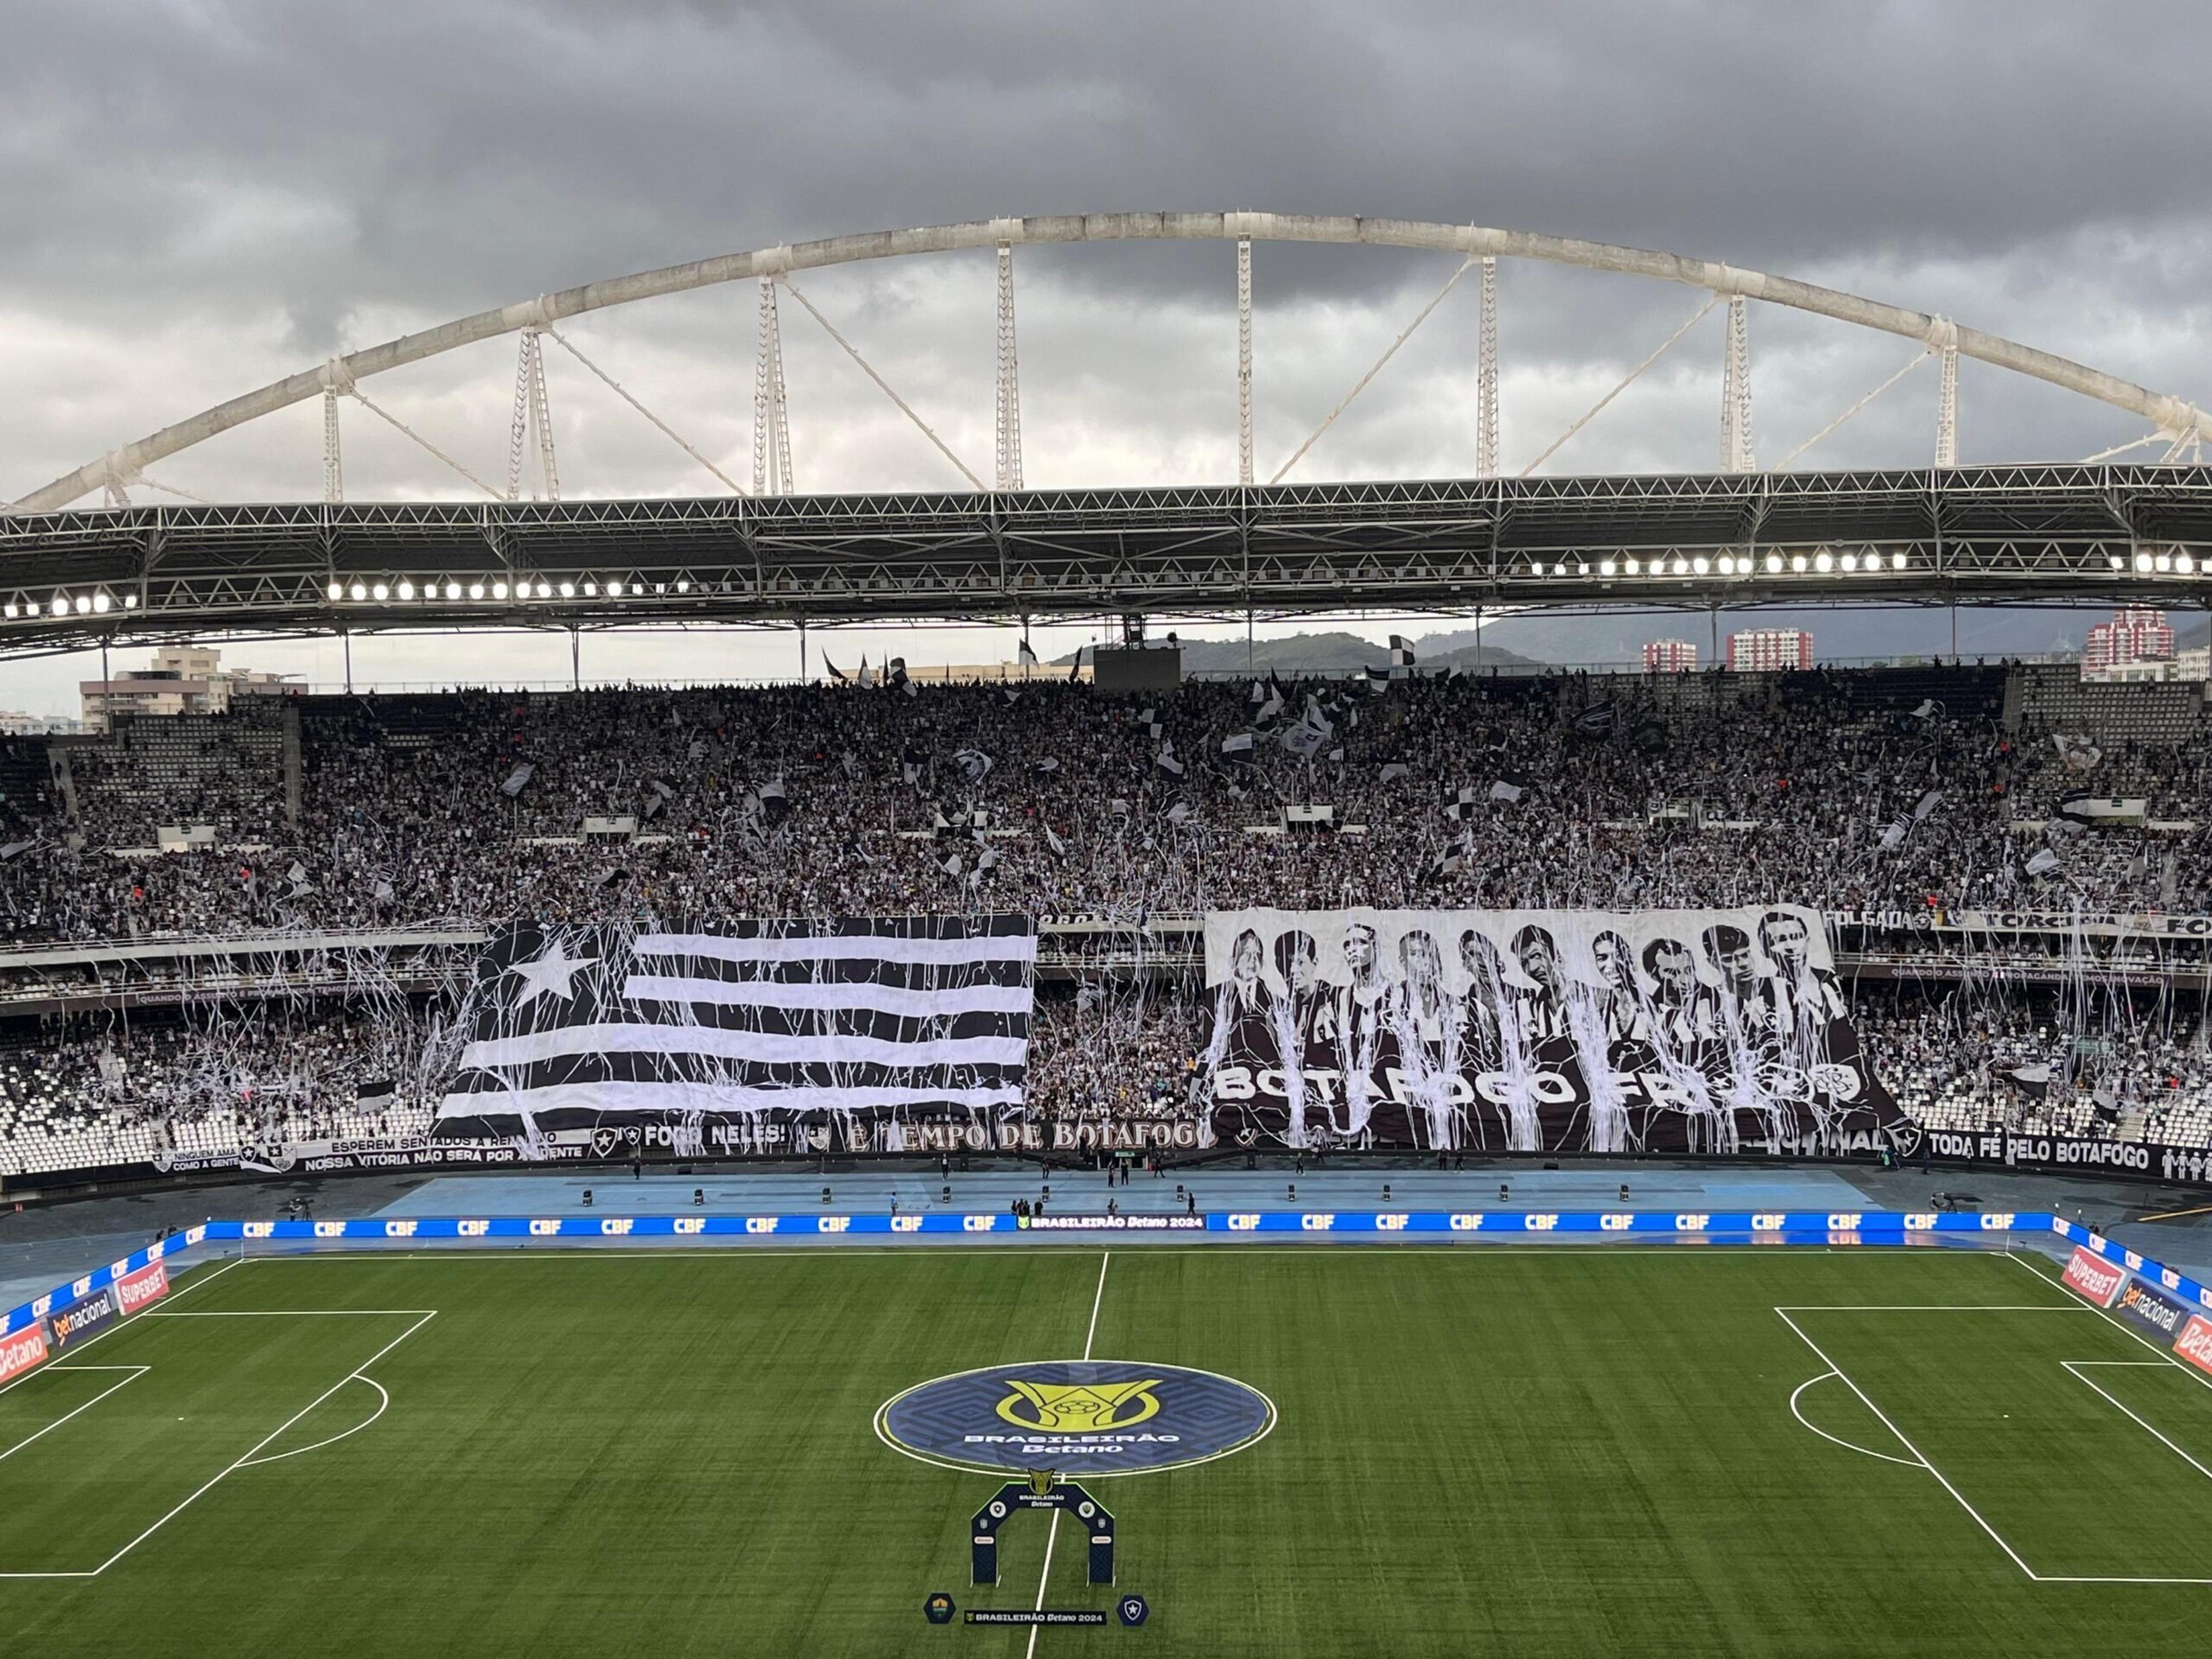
x=1981, y=1055
x=1579, y=790
x=1933, y=789
x=168, y=1091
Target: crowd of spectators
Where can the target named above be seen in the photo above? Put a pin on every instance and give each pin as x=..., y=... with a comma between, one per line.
x=1052, y=799
x=1105, y=1054
x=2082, y=1060
x=102, y=1089
x=1852, y=791
x=105, y=1089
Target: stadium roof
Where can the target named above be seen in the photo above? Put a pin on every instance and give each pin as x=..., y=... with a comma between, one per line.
x=1938, y=535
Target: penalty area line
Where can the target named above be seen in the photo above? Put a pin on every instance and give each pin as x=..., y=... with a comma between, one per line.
x=1904, y=1462
x=251, y=1455
x=1996, y=1537
x=383, y=1404
x=1944, y=1480
x=136, y=1372
x=2077, y=1368
x=2165, y=1356
x=1931, y=1307
x=189, y=1285
x=289, y=1313
x=253, y=1451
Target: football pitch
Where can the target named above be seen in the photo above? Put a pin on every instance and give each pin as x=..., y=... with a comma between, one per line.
x=1553, y=1450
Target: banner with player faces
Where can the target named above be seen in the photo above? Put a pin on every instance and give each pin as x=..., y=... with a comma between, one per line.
x=1686, y=1031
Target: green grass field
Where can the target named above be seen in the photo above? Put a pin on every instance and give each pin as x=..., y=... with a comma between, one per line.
x=1478, y=1451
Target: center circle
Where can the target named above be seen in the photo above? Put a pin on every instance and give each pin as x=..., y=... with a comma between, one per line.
x=1081, y=1418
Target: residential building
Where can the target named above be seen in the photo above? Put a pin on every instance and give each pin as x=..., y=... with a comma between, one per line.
x=182, y=680
x=1766, y=650
x=2135, y=635
x=1670, y=657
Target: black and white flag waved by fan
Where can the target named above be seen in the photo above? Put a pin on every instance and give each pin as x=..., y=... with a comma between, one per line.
x=571, y=1028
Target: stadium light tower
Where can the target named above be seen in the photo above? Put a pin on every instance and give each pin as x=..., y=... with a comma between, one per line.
x=531, y=433
x=336, y=380
x=1947, y=400
x=771, y=419
x=1244, y=359
x=1485, y=429
x=1009, y=456
x=1736, y=453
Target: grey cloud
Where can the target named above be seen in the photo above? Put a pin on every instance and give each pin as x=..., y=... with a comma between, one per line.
x=445, y=153
x=203, y=196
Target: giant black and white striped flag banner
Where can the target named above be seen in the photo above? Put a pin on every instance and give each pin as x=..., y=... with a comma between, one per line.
x=920, y=1017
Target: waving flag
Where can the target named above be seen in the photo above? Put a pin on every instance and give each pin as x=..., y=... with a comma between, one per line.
x=579, y=1027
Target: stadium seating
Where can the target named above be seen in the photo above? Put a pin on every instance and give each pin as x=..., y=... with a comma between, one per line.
x=2057, y=699
x=1857, y=791
x=403, y=817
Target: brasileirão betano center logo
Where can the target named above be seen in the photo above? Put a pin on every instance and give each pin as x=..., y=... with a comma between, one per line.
x=1087, y=1417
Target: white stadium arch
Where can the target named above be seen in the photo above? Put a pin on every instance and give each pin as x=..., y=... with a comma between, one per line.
x=2182, y=425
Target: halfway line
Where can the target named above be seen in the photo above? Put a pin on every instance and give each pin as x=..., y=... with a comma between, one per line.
x=1052, y=1535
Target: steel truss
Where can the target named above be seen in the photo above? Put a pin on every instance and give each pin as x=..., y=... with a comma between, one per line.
x=2181, y=423
x=1937, y=535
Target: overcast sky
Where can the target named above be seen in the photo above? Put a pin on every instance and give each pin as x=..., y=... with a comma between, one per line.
x=200, y=196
